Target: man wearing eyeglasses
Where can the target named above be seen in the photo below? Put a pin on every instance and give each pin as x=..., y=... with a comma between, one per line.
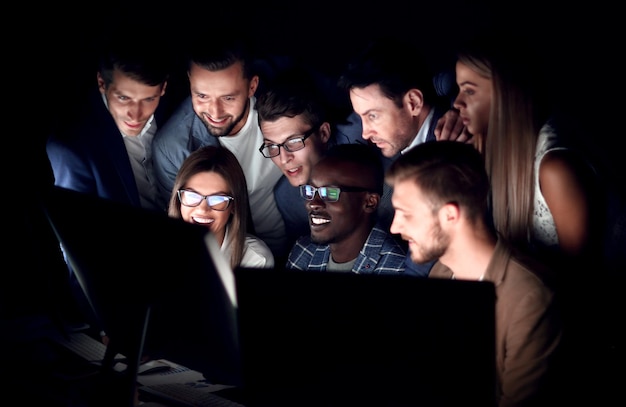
x=341, y=199
x=293, y=118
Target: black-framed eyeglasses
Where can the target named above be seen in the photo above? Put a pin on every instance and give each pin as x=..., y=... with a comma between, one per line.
x=270, y=150
x=327, y=194
x=216, y=202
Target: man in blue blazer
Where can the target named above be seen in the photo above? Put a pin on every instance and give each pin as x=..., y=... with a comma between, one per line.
x=107, y=151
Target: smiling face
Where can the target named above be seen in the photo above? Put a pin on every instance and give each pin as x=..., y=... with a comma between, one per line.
x=296, y=165
x=474, y=99
x=341, y=221
x=208, y=183
x=415, y=221
x=131, y=103
x=389, y=127
x=221, y=98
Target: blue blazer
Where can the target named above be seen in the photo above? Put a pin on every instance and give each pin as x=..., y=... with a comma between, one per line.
x=89, y=155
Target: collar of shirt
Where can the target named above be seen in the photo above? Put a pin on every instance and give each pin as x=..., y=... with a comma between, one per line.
x=422, y=133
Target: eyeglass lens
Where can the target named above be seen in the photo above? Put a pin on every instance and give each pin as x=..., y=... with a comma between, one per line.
x=291, y=145
x=329, y=194
x=217, y=202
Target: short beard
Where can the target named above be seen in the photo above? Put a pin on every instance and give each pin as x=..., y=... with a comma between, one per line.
x=224, y=132
x=440, y=243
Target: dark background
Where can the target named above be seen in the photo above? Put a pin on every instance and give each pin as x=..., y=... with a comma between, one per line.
x=49, y=62
x=581, y=44
x=50, y=50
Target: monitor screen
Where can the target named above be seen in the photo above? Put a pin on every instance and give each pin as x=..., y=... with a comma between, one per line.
x=160, y=286
x=338, y=339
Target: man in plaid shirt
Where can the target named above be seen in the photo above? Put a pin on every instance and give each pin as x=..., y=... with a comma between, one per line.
x=342, y=198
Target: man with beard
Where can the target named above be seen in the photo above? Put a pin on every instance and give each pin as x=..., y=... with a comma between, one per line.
x=342, y=198
x=440, y=195
x=220, y=111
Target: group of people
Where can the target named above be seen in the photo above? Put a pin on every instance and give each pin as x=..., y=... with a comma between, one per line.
x=480, y=188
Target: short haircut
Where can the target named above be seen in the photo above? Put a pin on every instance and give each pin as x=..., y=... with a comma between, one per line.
x=292, y=92
x=149, y=63
x=218, y=55
x=396, y=66
x=365, y=157
x=446, y=172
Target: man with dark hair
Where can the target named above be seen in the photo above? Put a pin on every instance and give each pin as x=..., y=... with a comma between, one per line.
x=397, y=105
x=297, y=130
x=107, y=150
x=342, y=198
x=392, y=90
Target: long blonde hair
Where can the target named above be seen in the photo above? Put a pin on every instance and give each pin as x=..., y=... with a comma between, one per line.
x=509, y=146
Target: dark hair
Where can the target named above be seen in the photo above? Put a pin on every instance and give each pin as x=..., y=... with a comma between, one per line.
x=394, y=65
x=219, y=55
x=366, y=157
x=149, y=63
x=446, y=171
x=291, y=93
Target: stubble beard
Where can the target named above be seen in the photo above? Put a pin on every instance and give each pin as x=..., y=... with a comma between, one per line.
x=440, y=240
x=226, y=131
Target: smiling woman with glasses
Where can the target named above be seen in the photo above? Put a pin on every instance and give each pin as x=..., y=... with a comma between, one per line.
x=211, y=190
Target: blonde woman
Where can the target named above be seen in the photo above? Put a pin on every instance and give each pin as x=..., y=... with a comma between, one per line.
x=541, y=197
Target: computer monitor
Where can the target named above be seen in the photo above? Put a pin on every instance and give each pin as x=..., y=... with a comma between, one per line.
x=159, y=286
x=336, y=339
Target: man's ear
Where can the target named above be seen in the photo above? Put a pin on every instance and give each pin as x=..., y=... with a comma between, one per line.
x=449, y=213
x=101, y=85
x=324, y=132
x=415, y=100
x=254, y=84
x=371, y=202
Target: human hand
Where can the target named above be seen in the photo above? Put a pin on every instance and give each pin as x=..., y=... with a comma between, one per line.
x=450, y=127
x=104, y=337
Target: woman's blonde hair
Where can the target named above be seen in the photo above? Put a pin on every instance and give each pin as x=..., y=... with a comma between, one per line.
x=516, y=116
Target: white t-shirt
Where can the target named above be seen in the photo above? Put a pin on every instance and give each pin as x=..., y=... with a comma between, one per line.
x=255, y=253
x=261, y=176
